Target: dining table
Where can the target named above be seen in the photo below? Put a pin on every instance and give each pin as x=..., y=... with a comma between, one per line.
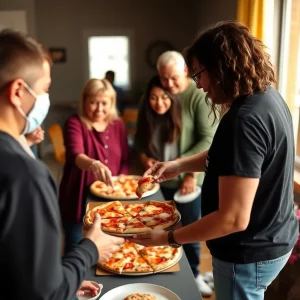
x=181, y=282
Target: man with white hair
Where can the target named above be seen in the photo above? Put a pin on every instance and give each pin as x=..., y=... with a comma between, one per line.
x=196, y=136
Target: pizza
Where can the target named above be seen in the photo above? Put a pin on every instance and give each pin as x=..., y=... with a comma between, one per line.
x=143, y=185
x=124, y=187
x=133, y=218
x=140, y=296
x=134, y=258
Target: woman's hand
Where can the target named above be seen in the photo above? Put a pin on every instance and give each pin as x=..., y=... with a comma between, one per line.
x=188, y=184
x=164, y=171
x=101, y=172
x=147, y=162
x=87, y=287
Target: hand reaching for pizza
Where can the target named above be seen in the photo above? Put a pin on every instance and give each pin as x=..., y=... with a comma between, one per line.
x=106, y=244
x=143, y=185
x=164, y=171
x=87, y=286
x=188, y=184
x=156, y=237
x=149, y=162
x=101, y=172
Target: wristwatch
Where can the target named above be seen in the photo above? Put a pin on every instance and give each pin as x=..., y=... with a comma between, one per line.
x=171, y=239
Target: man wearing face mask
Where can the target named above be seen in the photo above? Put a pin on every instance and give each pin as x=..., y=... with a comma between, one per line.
x=31, y=266
x=33, y=133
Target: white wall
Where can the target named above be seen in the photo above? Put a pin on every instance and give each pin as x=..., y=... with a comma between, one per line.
x=62, y=23
x=212, y=11
x=27, y=5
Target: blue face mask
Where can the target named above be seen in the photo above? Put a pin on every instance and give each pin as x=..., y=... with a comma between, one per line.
x=38, y=112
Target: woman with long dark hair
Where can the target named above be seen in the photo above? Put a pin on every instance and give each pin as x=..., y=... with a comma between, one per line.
x=158, y=126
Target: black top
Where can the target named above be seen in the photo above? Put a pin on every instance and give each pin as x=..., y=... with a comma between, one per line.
x=255, y=139
x=31, y=266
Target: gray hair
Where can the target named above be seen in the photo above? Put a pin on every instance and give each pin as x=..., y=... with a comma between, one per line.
x=170, y=58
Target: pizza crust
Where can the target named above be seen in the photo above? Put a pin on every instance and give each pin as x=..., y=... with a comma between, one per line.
x=134, y=226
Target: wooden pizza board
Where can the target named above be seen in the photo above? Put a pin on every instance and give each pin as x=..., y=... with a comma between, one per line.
x=100, y=271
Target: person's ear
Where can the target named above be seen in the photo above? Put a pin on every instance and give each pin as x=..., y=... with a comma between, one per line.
x=16, y=92
x=186, y=71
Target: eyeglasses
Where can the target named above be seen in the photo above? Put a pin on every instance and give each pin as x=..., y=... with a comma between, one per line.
x=196, y=75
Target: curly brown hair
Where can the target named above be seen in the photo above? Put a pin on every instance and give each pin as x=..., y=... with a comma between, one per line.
x=235, y=60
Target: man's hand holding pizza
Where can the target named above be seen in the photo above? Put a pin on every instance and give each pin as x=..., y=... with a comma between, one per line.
x=106, y=244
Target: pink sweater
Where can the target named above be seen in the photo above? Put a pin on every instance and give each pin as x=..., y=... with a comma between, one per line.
x=110, y=147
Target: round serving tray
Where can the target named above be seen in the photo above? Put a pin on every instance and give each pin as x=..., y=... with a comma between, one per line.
x=151, y=191
x=145, y=273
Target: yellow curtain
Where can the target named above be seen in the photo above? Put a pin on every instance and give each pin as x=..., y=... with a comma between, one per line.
x=251, y=13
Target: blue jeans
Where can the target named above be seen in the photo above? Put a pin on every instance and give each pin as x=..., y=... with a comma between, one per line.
x=73, y=235
x=190, y=213
x=245, y=281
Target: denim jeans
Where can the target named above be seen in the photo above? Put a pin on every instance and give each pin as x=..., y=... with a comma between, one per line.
x=73, y=235
x=245, y=281
x=190, y=213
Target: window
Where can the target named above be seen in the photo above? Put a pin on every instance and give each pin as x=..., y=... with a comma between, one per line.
x=109, y=53
x=289, y=75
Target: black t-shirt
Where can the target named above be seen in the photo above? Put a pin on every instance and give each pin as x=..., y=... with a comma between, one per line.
x=31, y=266
x=255, y=140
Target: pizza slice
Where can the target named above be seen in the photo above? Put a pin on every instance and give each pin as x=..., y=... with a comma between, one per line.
x=98, y=187
x=160, y=221
x=108, y=210
x=143, y=185
x=156, y=208
x=115, y=207
x=134, y=226
x=128, y=249
x=160, y=257
x=137, y=264
x=134, y=209
x=90, y=215
x=116, y=263
x=114, y=225
x=165, y=206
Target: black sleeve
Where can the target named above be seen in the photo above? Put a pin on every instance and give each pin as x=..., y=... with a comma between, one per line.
x=30, y=234
x=243, y=148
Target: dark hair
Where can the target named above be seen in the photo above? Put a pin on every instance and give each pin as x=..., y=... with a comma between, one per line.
x=20, y=57
x=111, y=74
x=148, y=118
x=235, y=60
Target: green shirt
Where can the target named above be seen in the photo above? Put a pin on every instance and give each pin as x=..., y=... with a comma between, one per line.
x=197, y=129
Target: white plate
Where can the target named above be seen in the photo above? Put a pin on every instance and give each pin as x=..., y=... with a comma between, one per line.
x=188, y=197
x=121, y=292
x=87, y=297
x=152, y=190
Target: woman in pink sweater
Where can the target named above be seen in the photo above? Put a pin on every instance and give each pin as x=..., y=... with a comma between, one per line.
x=96, y=149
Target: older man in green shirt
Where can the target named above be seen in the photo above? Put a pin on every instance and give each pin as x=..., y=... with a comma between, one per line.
x=196, y=136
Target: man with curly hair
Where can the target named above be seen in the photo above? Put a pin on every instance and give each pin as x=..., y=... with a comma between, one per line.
x=248, y=218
